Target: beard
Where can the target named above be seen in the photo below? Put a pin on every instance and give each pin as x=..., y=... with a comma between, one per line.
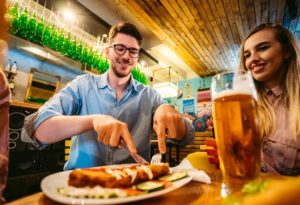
x=118, y=70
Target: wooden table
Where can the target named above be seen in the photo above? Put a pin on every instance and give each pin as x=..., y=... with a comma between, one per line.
x=191, y=193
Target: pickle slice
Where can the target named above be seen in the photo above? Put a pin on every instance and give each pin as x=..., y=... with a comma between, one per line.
x=150, y=186
x=174, y=176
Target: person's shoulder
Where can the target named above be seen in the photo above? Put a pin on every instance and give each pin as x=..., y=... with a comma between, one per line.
x=145, y=89
x=141, y=87
x=87, y=78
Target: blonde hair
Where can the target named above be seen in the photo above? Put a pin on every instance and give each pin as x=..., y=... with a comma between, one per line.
x=290, y=79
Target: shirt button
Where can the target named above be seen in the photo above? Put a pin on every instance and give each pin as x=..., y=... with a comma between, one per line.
x=270, y=92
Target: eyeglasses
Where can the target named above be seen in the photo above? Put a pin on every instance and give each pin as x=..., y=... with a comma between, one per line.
x=120, y=49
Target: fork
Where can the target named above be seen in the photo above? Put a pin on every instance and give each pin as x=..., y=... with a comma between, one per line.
x=156, y=159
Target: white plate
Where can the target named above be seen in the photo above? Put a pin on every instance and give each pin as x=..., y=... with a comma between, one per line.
x=50, y=184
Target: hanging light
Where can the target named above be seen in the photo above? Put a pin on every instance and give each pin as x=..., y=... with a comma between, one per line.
x=165, y=81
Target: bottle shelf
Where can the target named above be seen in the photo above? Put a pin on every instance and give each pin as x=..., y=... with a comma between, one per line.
x=45, y=54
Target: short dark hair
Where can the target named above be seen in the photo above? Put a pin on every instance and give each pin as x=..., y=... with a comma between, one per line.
x=125, y=28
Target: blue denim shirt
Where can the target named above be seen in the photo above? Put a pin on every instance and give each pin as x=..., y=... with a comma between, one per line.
x=89, y=95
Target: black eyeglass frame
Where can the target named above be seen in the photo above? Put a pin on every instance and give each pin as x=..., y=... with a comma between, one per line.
x=131, y=54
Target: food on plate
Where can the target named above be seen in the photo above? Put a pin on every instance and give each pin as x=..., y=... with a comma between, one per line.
x=151, y=186
x=119, y=181
x=117, y=177
x=267, y=192
x=174, y=176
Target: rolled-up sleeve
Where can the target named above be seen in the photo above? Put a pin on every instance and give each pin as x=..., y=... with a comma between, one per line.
x=66, y=102
x=189, y=136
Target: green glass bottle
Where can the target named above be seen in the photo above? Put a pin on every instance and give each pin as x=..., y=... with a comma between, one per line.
x=53, y=37
x=23, y=20
x=67, y=45
x=90, y=57
x=39, y=31
x=46, y=35
x=60, y=41
x=13, y=15
x=79, y=52
x=31, y=27
x=73, y=48
x=96, y=62
x=95, y=59
x=84, y=54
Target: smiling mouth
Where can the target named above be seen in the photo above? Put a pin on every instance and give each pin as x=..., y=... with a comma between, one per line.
x=257, y=68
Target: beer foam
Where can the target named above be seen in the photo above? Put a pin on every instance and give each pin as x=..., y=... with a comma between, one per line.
x=226, y=93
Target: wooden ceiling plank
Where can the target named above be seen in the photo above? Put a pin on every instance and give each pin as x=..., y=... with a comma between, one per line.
x=210, y=34
x=216, y=31
x=257, y=10
x=191, y=41
x=160, y=18
x=227, y=27
x=234, y=29
x=189, y=30
x=232, y=22
x=238, y=19
x=264, y=11
x=222, y=19
x=280, y=11
x=140, y=14
x=191, y=13
x=272, y=10
x=250, y=14
x=218, y=59
x=175, y=28
x=203, y=30
x=244, y=16
x=189, y=22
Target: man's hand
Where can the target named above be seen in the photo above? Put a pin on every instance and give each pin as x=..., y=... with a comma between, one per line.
x=112, y=132
x=168, y=122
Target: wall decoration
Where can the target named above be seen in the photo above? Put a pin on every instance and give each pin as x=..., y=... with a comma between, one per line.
x=189, y=109
x=203, y=121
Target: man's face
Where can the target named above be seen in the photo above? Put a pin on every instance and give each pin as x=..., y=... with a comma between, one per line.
x=121, y=59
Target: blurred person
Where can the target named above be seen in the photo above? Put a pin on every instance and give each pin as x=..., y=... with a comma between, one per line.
x=104, y=111
x=4, y=103
x=271, y=53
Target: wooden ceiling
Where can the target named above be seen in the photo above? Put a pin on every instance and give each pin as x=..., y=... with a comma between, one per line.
x=206, y=34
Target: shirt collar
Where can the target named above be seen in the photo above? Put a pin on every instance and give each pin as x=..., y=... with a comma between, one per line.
x=103, y=82
x=275, y=92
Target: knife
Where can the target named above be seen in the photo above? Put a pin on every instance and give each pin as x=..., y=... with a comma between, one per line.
x=137, y=158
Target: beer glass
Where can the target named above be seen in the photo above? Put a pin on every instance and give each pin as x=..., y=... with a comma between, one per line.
x=234, y=117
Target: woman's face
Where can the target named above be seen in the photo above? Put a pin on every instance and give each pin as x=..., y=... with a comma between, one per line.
x=264, y=57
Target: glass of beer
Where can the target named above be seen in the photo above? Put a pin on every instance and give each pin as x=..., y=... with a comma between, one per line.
x=235, y=124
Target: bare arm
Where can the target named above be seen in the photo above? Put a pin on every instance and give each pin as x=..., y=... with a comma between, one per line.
x=59, y=128
x=168, y=122
x=110, y=131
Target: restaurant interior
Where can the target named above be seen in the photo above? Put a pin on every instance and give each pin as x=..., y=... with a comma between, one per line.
x=185, y=43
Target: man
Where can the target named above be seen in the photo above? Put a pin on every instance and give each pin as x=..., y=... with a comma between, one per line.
x=105, y=111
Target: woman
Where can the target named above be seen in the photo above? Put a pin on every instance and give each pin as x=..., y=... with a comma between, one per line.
x=271, y=53
x=4, y=103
